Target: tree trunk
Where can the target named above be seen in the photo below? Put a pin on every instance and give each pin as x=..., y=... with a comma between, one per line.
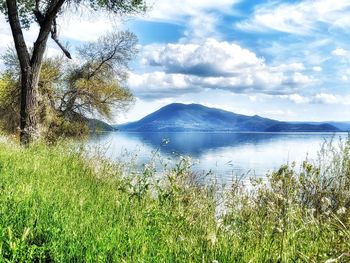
x=29, y=129
x=30, y=65
x=28, y=112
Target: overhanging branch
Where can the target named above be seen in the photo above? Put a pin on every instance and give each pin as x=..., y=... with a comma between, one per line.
x=45, y=29
x=55, y=38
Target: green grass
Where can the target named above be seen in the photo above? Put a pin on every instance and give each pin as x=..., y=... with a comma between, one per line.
x=58, y=206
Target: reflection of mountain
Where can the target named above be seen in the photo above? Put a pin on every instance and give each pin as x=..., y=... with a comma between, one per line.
x=197, y=143
x=195, y=117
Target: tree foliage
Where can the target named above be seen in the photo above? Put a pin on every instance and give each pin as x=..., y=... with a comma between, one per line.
x=31, y=11
x=71, y=93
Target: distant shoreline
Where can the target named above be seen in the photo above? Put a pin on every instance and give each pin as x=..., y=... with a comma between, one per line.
x=238, y=132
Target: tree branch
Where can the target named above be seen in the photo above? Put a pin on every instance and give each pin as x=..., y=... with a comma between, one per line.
x=104, y=61
x=38, y=15
x=45, y=29
x=55, y=38
x=20, y=44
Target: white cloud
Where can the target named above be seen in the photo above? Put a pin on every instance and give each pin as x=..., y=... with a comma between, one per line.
x=199, y=17
x=159, y=84
x=214, y=65
x=86, y=25
x=6, y=35
x=212, y=58
x=298, y=18
x=253, y=98
x=340, y=52
x=320, y=98
x=317, y=69
x=168, y=10
x=325, y=98
x=6, y=40
x=279, y=114
x=296, y=98
x=195, y=30
x=289, y=67
x=78, y=26
x=301, y=79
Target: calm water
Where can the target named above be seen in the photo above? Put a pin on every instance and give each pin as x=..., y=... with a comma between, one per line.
x=225, y=154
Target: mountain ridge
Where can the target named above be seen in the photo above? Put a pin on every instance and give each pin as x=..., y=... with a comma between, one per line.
x=178, y=117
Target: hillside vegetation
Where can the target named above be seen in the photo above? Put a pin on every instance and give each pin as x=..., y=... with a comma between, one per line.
x=57, y=205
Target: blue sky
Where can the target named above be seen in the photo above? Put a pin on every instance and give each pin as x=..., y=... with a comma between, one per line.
x=287, y=60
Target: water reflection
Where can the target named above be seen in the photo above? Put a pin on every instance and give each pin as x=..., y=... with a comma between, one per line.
x=226, y=154
x=196, y=144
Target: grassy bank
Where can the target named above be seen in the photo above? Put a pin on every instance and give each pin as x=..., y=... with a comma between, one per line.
x=55, y=205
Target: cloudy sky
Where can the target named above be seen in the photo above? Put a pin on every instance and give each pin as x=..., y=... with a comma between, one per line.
x=287, y=60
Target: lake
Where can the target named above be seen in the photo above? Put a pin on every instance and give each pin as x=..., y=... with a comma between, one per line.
x=224, y=154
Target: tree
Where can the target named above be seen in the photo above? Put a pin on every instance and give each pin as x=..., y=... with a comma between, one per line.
x=71, y=93
x=21, y=14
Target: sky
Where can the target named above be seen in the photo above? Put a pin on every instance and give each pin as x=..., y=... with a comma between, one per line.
x=287, y=60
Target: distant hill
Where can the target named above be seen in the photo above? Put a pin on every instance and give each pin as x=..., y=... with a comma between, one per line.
x=195, y=117
x=99, y=126
x=343, y=126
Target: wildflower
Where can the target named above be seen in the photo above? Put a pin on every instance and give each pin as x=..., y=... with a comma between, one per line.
x=326, y=201
x=220, y=223
x=13, y=245
x=212, y=238
x=341, y=211
x=312, y=211
x=279, y=230
x=25, y=233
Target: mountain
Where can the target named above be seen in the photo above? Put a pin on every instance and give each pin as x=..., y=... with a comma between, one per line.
x=343, y=126
x=195, y=117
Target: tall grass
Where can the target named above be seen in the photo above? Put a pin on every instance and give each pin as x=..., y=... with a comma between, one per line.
x=57, y=205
